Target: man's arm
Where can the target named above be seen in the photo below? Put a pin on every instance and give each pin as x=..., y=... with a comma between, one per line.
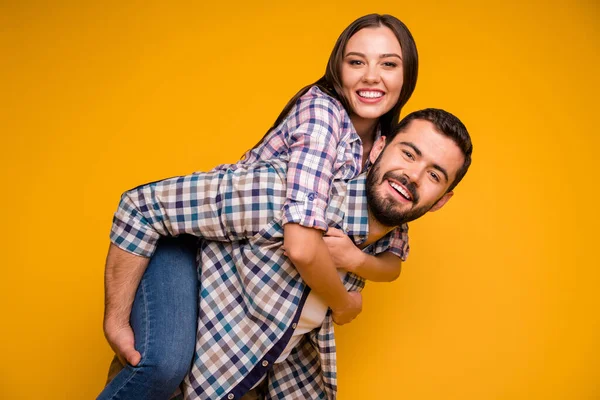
x=122, y=277
x=308, y=252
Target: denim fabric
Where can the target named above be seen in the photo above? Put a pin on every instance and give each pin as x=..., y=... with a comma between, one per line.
x=164, y=320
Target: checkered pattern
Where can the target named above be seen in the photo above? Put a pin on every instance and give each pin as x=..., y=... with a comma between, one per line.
x=300, y=376
x=250, y=292
x=249, y=295
x=319, y=144
x=219, y=205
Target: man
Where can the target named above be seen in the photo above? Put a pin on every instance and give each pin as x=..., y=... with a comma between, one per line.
x=254, y=304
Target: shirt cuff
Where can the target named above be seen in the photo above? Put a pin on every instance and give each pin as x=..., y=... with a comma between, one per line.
x=132, y=236
x=309, y=212
x=399, y=242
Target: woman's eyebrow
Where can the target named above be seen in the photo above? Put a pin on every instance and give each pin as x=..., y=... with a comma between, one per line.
x=385, y=55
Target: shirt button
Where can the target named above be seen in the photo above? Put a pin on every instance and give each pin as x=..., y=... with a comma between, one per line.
x=265, y=363
x=311, y=196
x=230, y=396
x=294, y=325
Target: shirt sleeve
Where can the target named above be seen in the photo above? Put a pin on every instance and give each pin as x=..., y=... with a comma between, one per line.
x=314, y=128
x=188, y=204
x=395, y=242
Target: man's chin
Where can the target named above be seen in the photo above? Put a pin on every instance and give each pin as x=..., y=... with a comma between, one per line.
x=391, y=216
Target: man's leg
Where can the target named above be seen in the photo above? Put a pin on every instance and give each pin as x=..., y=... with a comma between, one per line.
x=164, y=321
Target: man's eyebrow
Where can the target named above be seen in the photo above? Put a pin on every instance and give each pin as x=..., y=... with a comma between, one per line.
x=435, y=166
x=385, y=55
x=442, y=170
x=412, y=146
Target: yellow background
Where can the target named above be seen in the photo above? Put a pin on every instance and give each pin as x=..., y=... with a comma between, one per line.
x=499, y=298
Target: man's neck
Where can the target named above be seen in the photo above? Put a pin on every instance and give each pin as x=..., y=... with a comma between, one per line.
x=376, y=231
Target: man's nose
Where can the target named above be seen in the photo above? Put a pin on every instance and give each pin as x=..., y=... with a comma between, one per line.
x=414, y=175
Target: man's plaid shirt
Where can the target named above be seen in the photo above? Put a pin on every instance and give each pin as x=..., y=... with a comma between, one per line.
x=251, y=296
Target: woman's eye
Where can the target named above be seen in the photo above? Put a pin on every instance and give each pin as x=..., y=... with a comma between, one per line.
x=390, y=64
x=355, y=62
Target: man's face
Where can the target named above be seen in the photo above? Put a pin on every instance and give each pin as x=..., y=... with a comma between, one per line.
x=411, y=175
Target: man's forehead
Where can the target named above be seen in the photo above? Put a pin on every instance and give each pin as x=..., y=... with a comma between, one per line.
x=425, y=133
x=419, y=127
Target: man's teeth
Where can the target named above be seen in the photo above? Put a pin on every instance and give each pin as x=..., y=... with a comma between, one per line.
x=370, y=95
x=400, y=190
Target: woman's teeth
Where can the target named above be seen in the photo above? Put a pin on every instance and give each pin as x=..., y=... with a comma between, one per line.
x=369, y=94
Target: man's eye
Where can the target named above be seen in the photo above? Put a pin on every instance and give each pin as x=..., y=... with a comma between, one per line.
x=408, y=155
x=434, y=176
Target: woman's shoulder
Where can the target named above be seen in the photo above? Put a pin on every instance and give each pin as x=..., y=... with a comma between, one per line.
x=317, y=97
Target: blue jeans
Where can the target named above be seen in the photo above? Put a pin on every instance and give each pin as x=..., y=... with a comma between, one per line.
x=164, y=320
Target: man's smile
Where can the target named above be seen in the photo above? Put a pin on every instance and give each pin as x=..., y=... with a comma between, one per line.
x=401, y=190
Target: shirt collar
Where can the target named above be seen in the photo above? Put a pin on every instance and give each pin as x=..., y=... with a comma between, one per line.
x=357, y=210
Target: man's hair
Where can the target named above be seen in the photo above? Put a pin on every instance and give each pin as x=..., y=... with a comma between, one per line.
x=447, y=125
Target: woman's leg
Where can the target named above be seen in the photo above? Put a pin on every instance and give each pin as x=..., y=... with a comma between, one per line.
x=164, y=320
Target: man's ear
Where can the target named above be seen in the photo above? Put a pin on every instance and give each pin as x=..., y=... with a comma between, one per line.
x=440, y=203
x=377, y=149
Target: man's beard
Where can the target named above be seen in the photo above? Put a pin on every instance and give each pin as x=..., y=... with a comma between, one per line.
x=385, y=209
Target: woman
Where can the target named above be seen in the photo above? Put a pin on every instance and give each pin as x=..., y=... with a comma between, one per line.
x=325, y=132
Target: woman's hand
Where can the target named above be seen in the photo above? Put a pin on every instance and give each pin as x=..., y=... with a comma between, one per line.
x=347, y=313
x=343, y=251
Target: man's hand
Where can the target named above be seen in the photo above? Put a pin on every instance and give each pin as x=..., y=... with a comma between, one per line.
x=343, y=251
x=122, y=277
x=346, y=314
x=121, y=340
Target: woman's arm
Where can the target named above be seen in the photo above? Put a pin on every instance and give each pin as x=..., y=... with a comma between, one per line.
x=314, y=133
x=307, y=251
x=384, y=267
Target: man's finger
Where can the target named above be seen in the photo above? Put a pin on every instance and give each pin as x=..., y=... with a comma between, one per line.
x=122, y=341
x=127, y=352
x=133, y=357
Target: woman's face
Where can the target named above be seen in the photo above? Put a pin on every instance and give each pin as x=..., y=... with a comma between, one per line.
x=372, y=72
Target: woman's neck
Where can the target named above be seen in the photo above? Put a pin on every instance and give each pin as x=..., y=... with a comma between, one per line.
x=365, y=128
